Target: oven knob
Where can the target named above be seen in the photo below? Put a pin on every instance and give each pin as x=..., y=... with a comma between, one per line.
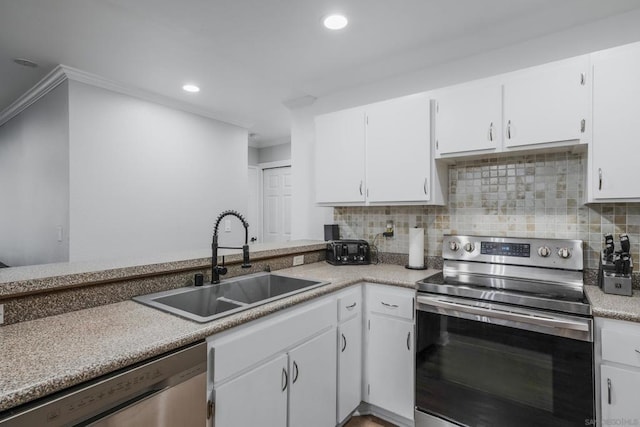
x=544, y=251
x=564, y=253
x=468, y=247
x=454, y=246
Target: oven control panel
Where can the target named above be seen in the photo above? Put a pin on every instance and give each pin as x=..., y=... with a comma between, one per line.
x=552, y=253
x=506, y=249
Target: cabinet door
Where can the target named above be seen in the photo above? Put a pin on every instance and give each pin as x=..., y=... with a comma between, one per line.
x=257, y=398
x=398, y=150
x=312, y=371
x=390, y=365
x=468, y=119
x=547, y=103
x=619, y=394
x=349, y=366
x=616, y=103
x=340, y=140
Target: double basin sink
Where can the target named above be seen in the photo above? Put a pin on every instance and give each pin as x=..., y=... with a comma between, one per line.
x=209, y=302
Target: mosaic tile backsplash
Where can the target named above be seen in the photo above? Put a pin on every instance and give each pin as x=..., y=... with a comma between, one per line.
x=522, y=196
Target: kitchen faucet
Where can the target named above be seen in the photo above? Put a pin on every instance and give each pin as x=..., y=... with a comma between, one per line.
x=217, y=270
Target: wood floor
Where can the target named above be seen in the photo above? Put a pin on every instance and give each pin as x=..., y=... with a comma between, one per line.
x=367, y=421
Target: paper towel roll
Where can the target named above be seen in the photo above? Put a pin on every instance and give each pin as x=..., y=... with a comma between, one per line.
x=416, y=247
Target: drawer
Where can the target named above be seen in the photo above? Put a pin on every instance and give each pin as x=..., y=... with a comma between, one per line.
x=621, y=345
x=392, y=302
x=350, y=304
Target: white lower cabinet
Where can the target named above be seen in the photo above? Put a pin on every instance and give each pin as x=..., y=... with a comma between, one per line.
x=619, y=395
x=257, y=398
x=304, y=365
x=349, y=366
x=390, y=350
x=618, y=348
x=312, y=382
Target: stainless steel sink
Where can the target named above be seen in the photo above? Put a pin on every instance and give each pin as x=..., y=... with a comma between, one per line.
x=210, y=302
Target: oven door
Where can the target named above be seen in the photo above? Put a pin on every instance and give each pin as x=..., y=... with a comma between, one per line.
x=483, y=364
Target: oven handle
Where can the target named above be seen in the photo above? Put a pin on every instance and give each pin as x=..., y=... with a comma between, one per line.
x=546, y=320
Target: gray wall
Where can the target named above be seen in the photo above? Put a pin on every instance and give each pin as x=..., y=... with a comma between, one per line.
x=34, y=183
x=274, y=153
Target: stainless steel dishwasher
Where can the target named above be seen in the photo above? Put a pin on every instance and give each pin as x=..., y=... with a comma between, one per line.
x=169, y=390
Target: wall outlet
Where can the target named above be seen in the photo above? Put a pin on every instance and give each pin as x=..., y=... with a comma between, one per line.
x=1, y=314
x=227, y=225
x=298, y=260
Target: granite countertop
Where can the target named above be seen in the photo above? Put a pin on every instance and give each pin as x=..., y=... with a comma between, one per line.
x=614, y=306
x=46, y=355
x=46, y=277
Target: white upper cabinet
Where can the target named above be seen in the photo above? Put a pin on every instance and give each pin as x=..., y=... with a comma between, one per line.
x=547, y=104
x=378, y=154
x=468, y=119
x=340, y=163
x=398, y=150
x=538, y=107
x=616, y=107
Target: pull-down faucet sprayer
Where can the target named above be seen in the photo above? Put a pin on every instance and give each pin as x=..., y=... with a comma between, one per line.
x=217, y=270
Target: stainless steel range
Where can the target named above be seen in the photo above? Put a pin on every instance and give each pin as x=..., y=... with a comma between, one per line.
x=505, y=335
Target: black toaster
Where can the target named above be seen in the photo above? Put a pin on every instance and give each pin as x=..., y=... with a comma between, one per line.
x=348, y=252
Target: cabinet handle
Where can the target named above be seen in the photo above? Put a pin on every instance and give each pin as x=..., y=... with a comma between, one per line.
x=361, y=187
x=211, y=409
x=583, y=125
x=349, y=307
x=637, y=351
x=583, y=79
x=509, y=129
x=609, y=390
x=409, y=341
x=424, y=186
x=389, y=305
x=491, y=132
x=295, y=372
x=344, y=343
x=437, y=144
x=599, y=179
x=285, y=379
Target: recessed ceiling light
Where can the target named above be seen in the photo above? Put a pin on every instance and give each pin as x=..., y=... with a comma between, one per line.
x=335, y=22
x=191, y=88
x=25, y=62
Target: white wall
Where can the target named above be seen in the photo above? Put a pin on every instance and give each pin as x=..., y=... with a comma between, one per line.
x=34, y=183
x=147, y=179
x=253, y=156
x=308, y=218
x=274, y=153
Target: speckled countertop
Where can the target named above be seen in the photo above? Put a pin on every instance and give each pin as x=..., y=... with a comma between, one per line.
x=614, y=306
x=46, y=355
x=45, y=277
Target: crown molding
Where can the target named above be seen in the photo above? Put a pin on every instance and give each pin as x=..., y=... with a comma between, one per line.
x=63, y=72
x=43, y=87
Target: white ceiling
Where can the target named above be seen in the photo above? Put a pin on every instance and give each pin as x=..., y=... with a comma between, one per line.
x=250, y=56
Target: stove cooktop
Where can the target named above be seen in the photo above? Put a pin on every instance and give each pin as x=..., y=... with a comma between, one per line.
x=538, y=273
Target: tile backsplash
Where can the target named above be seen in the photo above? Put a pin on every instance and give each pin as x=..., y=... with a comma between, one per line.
x=522, y=196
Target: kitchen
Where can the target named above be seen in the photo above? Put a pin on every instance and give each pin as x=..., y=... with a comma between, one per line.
x=471, y=208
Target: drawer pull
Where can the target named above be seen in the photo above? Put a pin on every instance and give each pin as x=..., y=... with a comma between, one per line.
x=349, y=307
x=389, y=305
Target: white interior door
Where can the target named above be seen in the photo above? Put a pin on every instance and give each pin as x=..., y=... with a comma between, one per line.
x=253, y=210
x=276, y=196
